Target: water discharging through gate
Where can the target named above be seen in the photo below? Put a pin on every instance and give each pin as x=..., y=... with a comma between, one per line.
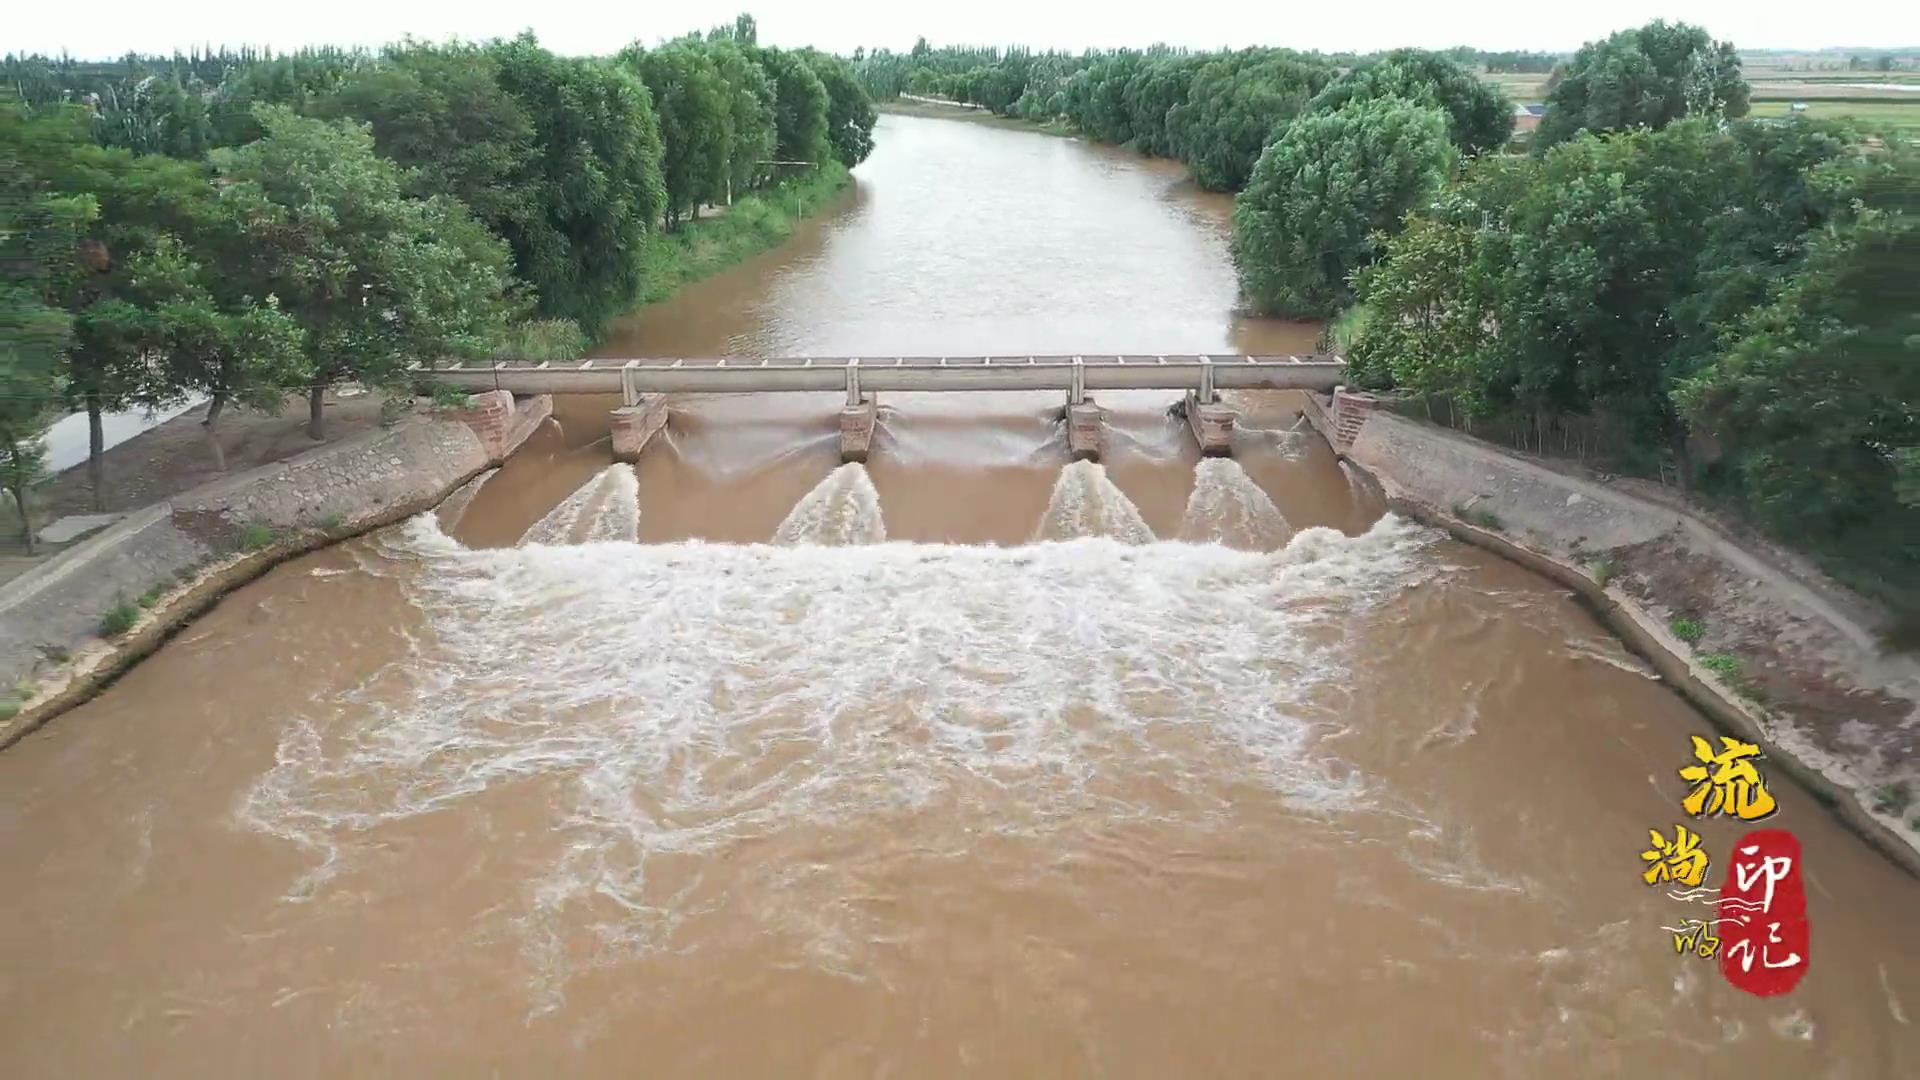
x=1157, y=767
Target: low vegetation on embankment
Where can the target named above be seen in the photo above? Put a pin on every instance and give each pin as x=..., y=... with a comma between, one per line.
x=704, y=246
x=1654, y=284
x=238, y=226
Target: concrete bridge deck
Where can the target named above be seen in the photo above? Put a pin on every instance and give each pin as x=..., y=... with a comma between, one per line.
x=862, y=375
x=642, y=382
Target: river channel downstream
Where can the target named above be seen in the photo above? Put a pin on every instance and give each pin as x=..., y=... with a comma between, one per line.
x=738, y=762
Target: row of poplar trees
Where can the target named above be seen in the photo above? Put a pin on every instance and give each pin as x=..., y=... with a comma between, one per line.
x=240, y=227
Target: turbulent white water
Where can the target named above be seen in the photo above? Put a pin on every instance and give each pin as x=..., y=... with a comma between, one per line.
x=616, y=517
x=683, y=698
x=1227, y=507
x=1086, y=503
x=840, y=510
x=605, y=508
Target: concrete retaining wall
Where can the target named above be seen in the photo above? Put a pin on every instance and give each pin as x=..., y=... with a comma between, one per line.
x=182, y=555
x=1828, y=703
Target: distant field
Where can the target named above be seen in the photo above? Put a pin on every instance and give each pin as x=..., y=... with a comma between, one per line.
x=1903, y=116
x=1866, y=88
x=1521, y=88
x=1773, y=85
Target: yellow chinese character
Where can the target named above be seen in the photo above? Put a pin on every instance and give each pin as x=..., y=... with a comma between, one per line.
x=1733, y=786
x=1677, y=860
x=1696, y=939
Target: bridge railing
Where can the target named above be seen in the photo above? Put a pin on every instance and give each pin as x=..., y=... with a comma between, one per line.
x=859, y=376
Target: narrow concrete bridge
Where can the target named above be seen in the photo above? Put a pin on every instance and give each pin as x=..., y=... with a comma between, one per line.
x=642, y=382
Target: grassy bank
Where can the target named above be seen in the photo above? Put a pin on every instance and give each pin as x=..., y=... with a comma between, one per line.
x=949, y=110
x=753, y=224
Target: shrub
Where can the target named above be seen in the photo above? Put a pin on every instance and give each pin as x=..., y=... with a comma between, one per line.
x=449, y=397
x=1478, y=515
x=1724, y=665
x=119, y=618
x=1687, y=630
x=543, y=339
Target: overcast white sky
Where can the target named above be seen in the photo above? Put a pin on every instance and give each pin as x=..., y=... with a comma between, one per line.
x=110, y=27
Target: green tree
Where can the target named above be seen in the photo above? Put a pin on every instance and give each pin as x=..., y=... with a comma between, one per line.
x=597, y=189
x=374, y=279
x=1479, y=113
x=1768, y=208
x=1326, y=192
x=800, y=107
x=850, y=115
x=691, y=105
x=440, y=111
x=1097, y=97
x=143, y=200
x=750, y=104
x=1151, y=96
x=1429, y=321
x=1812, y=401
x=40, y=229
x=1603, y=249
x=1645, y=77
x=1235, y=105
x=211, y=339
x=296, y=80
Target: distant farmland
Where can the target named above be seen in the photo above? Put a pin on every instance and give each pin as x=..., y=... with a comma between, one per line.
x=1885, y=99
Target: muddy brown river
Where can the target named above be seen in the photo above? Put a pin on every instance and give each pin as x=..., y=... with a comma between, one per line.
x=968, y=762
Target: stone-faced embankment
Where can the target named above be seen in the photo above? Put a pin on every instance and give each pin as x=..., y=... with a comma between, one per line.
x=160, y=566
x=1775, y=652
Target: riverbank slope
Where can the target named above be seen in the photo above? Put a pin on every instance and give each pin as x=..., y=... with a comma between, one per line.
x=1758, y=639
x=72, y=623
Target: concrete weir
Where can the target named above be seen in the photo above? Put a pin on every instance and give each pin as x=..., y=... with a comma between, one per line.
x=1211, y=424
x=856, y=429
x=635, y=424
x=643, y=382
x=1086, y=430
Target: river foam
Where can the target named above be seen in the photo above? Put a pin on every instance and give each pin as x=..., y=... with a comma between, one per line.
x=604, y=509
x=842, y=509
x=1087, y=503
x=1227, y=507
x=684, y=699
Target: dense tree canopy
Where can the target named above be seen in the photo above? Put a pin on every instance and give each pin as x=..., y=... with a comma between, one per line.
x=1236, y=104
x=372, y=278
x=850, y=115
x=40, y=230
x=598, y=187
x=440, y=110
x=1323, y=193
x=1812, y=401
x=371, y=209
x=1646, y=77
x=696, y=123
x=1725, y=306
x=750, y=101
x=1215, y=111
x=800, y=107
x=1479, y=114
